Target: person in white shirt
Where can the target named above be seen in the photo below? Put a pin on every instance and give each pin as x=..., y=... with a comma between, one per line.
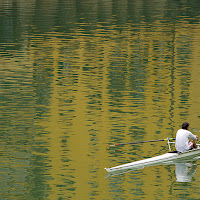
x=182, y=143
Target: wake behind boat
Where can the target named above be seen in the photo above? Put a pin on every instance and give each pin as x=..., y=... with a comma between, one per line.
x=167, y=157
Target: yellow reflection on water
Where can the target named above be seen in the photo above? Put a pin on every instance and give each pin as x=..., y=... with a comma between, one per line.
x=108, y=86
x=89, y=78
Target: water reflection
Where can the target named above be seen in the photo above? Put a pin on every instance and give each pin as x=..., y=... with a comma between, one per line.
x=77, y=75
x=185, y=171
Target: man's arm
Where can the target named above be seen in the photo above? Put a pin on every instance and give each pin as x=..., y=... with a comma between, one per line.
x=192, y=136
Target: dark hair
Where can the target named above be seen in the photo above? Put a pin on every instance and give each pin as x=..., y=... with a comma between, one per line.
x=185, y=125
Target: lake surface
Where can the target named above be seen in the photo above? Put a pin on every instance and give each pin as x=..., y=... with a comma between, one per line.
x=76, y=76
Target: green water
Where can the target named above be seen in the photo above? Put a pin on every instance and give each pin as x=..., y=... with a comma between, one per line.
x=78, y=75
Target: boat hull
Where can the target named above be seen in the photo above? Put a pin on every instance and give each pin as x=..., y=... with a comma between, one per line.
x=167, y=157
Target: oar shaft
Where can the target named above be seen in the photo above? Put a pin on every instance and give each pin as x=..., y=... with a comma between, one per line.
x=142, y=142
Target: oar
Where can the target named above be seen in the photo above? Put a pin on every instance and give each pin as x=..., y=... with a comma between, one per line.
x=167, y=139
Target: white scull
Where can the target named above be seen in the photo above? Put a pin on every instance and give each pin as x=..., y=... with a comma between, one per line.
x=171, y=156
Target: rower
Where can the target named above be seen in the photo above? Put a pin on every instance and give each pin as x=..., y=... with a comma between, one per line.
x=182, y=139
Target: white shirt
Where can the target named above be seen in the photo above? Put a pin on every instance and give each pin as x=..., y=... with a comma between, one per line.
x=182, y=140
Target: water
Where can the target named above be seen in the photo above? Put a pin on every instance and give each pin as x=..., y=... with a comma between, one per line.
x=78, y=75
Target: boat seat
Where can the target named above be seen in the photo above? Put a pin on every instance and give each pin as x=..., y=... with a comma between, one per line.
x=174, y=152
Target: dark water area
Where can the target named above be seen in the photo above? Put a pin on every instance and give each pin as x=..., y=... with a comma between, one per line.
x=76, y=76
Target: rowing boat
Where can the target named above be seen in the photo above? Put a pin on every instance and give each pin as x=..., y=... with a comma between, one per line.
x=167, y=157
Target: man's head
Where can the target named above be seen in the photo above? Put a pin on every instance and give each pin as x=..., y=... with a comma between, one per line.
x=185, y=125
